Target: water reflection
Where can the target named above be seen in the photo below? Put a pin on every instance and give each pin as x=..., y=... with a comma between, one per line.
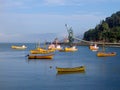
x=37, y=60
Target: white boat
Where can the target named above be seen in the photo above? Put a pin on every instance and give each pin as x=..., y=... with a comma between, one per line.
x=94, y=47
x=18, y=47
x=54, y=47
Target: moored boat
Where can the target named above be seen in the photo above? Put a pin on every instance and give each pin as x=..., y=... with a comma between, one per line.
x=41, y=51
x=73, y=69
x=39, y=56
x=94, y=47
x=54, y=47
x=105, y=54
x=18, y=47
x=69, y=49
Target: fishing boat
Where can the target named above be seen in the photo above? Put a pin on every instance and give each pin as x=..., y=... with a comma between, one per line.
x=73, y=69
x=69, y=49
x=104, y=54
x=54, y=47
x=41, y=51
x=94, y=47
x=19, y=47
x=39, y=56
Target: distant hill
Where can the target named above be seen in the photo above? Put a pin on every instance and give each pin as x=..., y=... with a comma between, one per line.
x=108, y=30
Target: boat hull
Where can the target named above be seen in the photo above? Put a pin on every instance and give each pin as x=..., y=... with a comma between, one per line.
x=94, y=49
x=104, y=54
x=74, y=69
x=40, y=56
x=70, y=50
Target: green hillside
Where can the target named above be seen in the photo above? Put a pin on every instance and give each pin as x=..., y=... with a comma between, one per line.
x=108, y=30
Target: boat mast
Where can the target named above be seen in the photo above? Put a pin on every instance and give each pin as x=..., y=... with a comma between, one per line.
x=103, y=48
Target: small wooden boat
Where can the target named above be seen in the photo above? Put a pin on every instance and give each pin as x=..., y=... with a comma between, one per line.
x=39, y=56
x=74, y=69
x=105, y=54
x=69, y=49
x=19, y=47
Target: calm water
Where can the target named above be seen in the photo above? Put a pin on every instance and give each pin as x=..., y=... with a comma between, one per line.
x=19, y=73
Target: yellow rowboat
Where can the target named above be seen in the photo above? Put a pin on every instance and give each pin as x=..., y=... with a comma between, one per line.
x=70, y=49
x=74, y=69
x=19, y=47
x=36, y=56
x=41, y=51
x=105, y=54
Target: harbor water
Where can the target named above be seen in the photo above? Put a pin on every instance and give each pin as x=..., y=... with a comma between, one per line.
x=19, y=73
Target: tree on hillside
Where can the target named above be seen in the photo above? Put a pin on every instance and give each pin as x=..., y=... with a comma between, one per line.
x=108, y=30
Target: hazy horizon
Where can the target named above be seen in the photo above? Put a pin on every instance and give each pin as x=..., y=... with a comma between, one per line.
x=24, y=20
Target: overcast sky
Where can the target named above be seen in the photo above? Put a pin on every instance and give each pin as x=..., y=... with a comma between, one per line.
x=28, y=20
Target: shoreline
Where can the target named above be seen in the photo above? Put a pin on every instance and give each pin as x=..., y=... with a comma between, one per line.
x=76, y=44
x=98, y=43
x=88, y=44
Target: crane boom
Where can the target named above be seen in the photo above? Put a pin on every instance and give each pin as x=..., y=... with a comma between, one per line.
x=71, y=37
